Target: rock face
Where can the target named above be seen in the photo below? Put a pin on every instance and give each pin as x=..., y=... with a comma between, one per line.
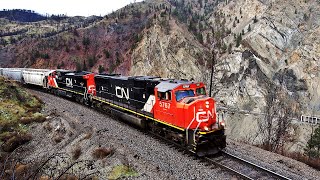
x=282, y=47
x=174, y=55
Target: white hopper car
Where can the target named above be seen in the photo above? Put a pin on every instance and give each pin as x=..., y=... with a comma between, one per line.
x=36, y=76
x=13, y=74
x=28, y=76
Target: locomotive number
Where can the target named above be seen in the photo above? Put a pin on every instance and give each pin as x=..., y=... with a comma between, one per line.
x=165, y=105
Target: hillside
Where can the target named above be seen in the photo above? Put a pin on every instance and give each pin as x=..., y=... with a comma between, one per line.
x=264, y=50
x=19, y=25
x=21, y=15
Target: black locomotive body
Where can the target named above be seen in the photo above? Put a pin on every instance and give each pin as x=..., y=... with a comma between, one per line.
x=131, y=92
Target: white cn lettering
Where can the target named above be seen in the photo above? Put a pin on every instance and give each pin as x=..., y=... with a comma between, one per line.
x=69, y=82
x=121, y=92
x=203, y=119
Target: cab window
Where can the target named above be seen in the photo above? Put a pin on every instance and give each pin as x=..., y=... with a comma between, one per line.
x=184, y=93
x=200, y=91
x=164, y=95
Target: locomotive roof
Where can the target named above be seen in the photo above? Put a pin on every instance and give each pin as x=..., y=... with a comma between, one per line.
x=78, y=73
x=117, y=76
x=169, y=85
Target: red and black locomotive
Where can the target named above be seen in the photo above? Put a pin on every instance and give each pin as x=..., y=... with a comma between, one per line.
x=178, y=110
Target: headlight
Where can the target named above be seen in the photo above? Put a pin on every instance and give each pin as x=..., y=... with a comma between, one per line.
x=222, y=123
x=206, y=128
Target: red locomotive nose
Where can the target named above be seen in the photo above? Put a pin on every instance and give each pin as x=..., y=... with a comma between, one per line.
x=205, y=113
x=201, y=114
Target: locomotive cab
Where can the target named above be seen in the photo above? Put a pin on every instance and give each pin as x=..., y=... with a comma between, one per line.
x=186, y=105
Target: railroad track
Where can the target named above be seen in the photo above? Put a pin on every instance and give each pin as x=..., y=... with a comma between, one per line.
x=238, y=166
x=243, y=168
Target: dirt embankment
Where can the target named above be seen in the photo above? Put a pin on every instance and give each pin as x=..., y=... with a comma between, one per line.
x=17, y=109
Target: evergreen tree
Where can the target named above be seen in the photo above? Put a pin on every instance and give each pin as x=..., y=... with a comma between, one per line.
x=78, y=66
x=84, y=68
x=230, y=48
x=313, y=145
x=249, y=28
x=101, y=69
x=224, y=47
x=255, y=20
x=239, y=39
x=106, y=52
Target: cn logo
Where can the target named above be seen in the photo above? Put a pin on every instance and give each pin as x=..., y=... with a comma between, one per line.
x=91, y=89
x=122, y=93
x=203, y=116
x=69, y=82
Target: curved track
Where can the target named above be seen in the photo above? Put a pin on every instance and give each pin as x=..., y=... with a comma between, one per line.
x=243, y=168
x=238, y=166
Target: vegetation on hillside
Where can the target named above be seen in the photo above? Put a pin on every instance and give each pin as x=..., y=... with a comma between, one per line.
x=17, y=109
x=21, y=15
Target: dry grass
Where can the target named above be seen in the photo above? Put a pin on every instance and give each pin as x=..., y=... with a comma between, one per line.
x=87, y=136
x=47, y=126
x=16, y=140
x=21, y=170
x=76, y=152
x=313, y=162
x=57, y=138
x=100, y=153
x=68, y=177
x=37, y=117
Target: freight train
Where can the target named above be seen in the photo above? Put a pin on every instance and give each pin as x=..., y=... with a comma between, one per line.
x=179, y=110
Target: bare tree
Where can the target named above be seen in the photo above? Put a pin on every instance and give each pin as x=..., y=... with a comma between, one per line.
x=279, y=110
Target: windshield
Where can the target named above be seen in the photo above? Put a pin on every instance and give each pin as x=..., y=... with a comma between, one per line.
x=200, y=91
x=185, y=93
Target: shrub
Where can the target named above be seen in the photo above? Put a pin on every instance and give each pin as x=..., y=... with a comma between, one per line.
x=37, y=117
x=122, y=171
x=101, y=153
x=57, y=138
x=76, y=152
x=15, y=141
x=101, y=69
x=107, y=54
x=92, y=60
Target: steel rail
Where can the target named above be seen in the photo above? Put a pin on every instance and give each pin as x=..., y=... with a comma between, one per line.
x=241, y=175
x=275, y=174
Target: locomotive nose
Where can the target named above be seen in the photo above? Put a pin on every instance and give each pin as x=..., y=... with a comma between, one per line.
x=201, y=114
x=205, y=113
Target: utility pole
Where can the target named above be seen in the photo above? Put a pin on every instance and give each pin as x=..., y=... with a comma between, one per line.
x=212, y=69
